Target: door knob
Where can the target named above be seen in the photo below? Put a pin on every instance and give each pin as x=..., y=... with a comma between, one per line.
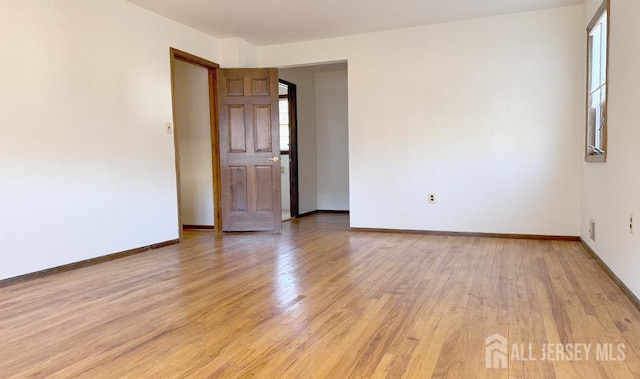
x=275, y=159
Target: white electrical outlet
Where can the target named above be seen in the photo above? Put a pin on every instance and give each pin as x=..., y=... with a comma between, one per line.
x=431, y=198
x=592, y=230
x=631, y=224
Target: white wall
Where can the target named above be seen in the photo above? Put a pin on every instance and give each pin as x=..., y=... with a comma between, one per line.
x=611, y=190
x=86, y=166
x=486, y=113
x=307, y=148
x=236, y=52
x=332, y=123
x=193, y=129
x=285, y=180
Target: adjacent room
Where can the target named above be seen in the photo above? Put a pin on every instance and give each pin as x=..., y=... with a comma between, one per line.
x=320, y=189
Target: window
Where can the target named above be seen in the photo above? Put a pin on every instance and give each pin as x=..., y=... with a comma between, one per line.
x=597, y=85
x=284, y=126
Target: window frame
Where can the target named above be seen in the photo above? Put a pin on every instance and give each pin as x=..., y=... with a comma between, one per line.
x=590, y=154
x=286, y=97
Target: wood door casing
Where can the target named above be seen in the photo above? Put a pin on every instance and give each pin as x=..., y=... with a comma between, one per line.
x=213, y=110
x=249, y=149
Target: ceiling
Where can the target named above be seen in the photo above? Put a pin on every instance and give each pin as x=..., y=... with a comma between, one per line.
x=269, y=22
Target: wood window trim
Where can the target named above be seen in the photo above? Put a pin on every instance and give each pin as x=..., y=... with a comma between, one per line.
x=589, y=156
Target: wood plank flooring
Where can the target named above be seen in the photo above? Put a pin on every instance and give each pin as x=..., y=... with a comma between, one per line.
x=319, y=301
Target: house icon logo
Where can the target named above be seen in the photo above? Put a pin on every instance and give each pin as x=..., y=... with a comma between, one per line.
x=496, y=351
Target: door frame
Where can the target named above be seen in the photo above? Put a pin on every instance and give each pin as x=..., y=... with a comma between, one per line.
x=292, y=96
x=211, y=67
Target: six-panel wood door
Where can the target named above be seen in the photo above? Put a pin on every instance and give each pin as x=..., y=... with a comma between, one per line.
x=249, y=149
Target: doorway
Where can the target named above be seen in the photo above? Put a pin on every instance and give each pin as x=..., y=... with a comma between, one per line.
x=237, y=179
x=322, y=136
x=195, y=135
x=288, y=148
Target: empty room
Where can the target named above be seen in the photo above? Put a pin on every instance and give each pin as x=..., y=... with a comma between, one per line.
x=319, y=189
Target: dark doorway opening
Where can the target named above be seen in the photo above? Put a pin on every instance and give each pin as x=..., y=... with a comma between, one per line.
x=289, y=148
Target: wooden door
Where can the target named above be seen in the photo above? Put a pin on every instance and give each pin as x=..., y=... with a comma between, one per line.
x=249, y=149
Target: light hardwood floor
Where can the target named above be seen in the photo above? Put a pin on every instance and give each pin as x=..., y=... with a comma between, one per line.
x=319, y=301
